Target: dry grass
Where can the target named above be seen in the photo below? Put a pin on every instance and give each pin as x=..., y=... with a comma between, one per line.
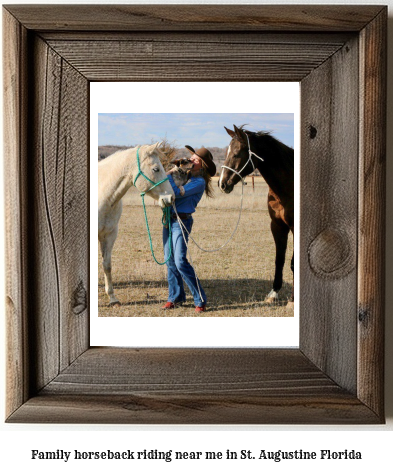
x=236, y=279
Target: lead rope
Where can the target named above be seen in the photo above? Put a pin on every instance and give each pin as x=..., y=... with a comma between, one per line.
x=166, y=219
x=250, y=153
x=230, y=237
x=182, y=226
x=188, y=250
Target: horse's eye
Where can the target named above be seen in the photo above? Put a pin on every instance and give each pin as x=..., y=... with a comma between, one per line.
x=156, y=169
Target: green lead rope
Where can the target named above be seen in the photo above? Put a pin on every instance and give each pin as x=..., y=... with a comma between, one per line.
x=166, y=218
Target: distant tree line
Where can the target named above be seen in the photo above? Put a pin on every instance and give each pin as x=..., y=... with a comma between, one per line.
x=172, y=151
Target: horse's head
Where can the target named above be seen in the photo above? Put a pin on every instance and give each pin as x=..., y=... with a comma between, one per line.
x=236, y=162
x=150, y=157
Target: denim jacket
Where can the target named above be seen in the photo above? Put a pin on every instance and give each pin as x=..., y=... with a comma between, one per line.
x=193, y=192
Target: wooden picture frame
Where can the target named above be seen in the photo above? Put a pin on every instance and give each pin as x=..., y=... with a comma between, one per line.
x=338, y=54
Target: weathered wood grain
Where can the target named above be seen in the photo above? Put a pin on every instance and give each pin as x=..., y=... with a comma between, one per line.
x=371, y=233
x=14, y=119
x=329, y=194
x=194, y=17
x=171, y=59
x=336, y=376
x=43, y=270
x=60, y=177
x=208, y=371
x=193, y=409
x=202, y=37
x=193, y=386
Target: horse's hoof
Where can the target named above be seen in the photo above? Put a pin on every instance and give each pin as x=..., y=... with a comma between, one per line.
x=272, y=297
x=116, y=304
x=290, y=305
x=270, y=300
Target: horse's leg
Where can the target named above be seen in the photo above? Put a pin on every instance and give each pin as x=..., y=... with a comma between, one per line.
x=106, y=251
x=291, y=300
x=280, y=235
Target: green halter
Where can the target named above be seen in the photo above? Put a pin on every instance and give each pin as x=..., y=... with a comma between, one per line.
x=166, y=218
x=140, y=172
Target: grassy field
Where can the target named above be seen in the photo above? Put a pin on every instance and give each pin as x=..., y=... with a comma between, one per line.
x=236, y=279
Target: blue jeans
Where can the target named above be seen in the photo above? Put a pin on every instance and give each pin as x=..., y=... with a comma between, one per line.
x=179, y=268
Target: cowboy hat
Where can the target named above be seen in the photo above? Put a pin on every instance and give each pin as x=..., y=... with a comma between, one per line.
x=206, y=157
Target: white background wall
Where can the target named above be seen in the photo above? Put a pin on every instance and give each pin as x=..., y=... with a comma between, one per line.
x=374, y=442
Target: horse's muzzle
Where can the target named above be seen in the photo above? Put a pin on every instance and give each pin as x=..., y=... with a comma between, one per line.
x=165, y=200
x=226, y=187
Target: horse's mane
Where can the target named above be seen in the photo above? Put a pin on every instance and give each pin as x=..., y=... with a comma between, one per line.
x=263, y=133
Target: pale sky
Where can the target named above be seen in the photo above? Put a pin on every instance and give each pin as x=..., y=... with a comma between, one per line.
x=195, y=129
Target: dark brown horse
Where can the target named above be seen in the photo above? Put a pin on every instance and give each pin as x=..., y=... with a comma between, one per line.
x=260, y=150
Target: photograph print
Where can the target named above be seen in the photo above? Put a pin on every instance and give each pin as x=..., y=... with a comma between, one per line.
x=196, y=214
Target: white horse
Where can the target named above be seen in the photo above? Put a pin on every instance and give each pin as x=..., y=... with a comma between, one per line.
x=116, y=174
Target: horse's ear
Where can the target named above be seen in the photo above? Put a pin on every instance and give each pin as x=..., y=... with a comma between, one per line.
x=153, y=147
x=240, y=134
x=230, y=132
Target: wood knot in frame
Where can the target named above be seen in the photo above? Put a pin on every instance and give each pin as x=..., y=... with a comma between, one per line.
x=79, y=299
x=364, y=316
x=313, y=132
x=331, y=255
